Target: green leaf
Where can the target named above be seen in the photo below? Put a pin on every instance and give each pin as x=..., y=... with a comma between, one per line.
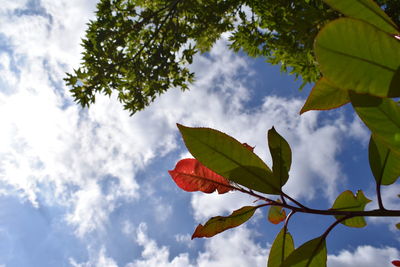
x=348, y=202
x=311, y=254
x=276, y=214
x=281, y=248
x=365, y=10
x=382, y=116
x=230, y=159
x=357, y=56
x=219, y=224
x=384, y=163
x=281, y=156
x=398, y=226
x=324, y=96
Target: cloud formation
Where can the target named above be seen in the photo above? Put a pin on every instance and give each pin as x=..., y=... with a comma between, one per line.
x=90, y=162
x=366, y=256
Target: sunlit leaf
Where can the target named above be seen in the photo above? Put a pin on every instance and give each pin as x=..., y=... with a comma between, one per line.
x=325, y=96
x=382, y=116
x=281, y=156
x=384, y=163
x=276, y=214
x=230, y=159
x=190, y=175
x=346, y=201
x=311, y=254
x=356, y=55
x=365, y=10
x=219, y=224
x=281, y=248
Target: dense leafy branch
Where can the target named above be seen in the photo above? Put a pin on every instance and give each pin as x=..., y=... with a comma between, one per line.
x=141, y=48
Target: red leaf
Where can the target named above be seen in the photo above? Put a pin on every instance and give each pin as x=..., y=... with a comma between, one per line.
x=249, y=147
x=190, y=175
x=396, y=263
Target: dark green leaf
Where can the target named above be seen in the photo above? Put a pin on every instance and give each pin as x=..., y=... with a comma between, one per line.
x=219, y=224
x=325, y=96
x=357, y=56
x=281, y=248
x=311, y=254
x=365, y=10
x=229, y=158
x=384, y=163
x=281, y=156
x=346, y=201
x=382, y=116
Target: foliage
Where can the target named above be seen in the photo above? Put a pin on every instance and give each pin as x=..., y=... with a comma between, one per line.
x=359, y=57
x=141, y=48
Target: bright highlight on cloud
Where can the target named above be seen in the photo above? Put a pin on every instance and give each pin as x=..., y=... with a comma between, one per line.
x=95, y=164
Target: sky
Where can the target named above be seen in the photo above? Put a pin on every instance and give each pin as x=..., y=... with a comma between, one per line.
x=90, y=187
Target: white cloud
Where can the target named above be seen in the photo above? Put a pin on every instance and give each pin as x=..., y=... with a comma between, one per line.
x=155, y=256
x=390, y=200
x=184, y=239
x=242, y=251
x=99, y=260
x=52, y=149
x=206, y=206
x=365, y=256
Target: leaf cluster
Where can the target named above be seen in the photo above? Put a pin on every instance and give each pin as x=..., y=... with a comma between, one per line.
x=358, y=55
x=141, y=48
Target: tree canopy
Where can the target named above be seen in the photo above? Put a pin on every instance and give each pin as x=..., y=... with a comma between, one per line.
x=141, y=48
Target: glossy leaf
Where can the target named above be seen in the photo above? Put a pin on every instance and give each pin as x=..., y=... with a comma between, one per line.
x=281, y=248
x=190, y=175
x=311, y=254
x=348, y=202
x=365, y=10
x=384, y=163
x=219, y=224
x=281, y=156
x=382, y=116
x=324, y=96
x=229, y=158
x=356, y=55
x=276, y=214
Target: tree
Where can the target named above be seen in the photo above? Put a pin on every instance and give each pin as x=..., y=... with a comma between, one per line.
x=357, y=61
x=359, y=57
x=141, y=48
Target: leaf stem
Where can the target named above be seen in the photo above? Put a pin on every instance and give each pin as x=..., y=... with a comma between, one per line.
x=284, y=233
x=379, y=196
x=326, y=233
x=378, y=184
x=368, y=213
x=294, y=201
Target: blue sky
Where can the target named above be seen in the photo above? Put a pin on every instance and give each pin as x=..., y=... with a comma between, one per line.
x=90, y=187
